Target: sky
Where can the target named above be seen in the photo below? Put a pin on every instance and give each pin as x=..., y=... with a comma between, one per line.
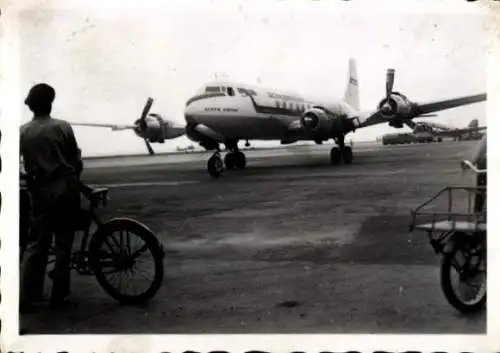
x=105, y=63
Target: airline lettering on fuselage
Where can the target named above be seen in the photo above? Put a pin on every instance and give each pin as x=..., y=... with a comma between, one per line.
x=284, y=97
x=215, y=109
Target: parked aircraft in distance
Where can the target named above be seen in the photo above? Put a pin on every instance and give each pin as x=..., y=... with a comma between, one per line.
x=225, y=112
x=186, y=149
x=428, y=130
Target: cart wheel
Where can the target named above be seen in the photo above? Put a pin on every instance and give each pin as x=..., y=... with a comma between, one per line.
x=467, y=267
x=115, y=249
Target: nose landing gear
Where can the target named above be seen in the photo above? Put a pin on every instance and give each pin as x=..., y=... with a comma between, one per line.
x=215, y=167
x=234, y=159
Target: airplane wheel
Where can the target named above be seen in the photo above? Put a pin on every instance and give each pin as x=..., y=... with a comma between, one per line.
x=335, y=155
x=240, y=161
x=215, y=166
x=230, y=160
x=347, y=155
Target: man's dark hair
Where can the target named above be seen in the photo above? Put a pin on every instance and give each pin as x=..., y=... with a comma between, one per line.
x=40, y=98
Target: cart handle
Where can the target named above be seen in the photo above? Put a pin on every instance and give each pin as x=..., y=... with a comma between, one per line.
x=473, y=167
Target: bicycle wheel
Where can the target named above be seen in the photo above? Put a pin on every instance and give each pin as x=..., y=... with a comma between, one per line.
x=470, y=264
x=112, y=256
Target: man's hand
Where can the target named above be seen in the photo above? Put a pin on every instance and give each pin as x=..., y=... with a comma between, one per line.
x=463, y=165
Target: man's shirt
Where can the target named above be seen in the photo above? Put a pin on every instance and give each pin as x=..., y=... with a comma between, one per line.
x=49, y=149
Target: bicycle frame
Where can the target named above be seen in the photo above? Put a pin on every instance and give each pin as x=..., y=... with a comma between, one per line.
x=87, y=218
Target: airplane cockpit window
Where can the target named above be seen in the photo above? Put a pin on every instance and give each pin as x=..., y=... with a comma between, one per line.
x=212, y=89
x=246, y=92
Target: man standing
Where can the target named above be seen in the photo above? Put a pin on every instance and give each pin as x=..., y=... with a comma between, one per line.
x=53, y=166
x=479, y=160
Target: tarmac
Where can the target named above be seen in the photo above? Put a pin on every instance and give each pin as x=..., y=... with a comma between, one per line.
x=291, y=244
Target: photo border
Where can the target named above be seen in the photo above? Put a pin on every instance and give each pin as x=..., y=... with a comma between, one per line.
x=9, y=203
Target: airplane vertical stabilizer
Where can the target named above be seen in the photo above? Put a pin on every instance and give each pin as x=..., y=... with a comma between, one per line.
x=474, y=123
x=352, y=91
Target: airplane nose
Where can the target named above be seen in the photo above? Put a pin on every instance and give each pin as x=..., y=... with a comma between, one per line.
x=192, y=113
x=189, y=111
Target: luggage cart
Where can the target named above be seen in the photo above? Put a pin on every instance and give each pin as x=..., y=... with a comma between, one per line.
x=460, y=238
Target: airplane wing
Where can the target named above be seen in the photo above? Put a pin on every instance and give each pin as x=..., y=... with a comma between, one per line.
x=416, y=110
x=111, y=126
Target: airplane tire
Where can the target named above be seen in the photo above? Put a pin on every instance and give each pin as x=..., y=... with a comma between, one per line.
x=347, y=155
x=230, y=160
x=335, y=156
x=215, y=166
x=240, y=160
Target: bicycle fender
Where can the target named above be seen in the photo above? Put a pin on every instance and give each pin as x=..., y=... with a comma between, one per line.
x=109, y=224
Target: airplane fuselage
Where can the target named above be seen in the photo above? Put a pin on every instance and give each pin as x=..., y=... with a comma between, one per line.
x=241, y=112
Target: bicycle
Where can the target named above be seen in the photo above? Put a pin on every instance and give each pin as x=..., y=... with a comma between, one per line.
x=92, y=258
x=461, y=240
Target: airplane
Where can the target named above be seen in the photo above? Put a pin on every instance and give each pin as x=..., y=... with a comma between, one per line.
x=225, y=112
x=186, y=149
x=426, y=129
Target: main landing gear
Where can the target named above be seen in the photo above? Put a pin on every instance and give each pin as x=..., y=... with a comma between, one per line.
x=234, y=159
x=341, y=152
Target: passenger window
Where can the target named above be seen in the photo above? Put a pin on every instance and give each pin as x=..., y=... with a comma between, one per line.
x=230, y=91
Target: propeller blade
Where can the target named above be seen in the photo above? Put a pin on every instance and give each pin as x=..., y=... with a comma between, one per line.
x=146, y=109
x=389, y=83
x=150, y=149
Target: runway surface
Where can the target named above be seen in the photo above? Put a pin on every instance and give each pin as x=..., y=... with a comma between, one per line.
x=289, y=245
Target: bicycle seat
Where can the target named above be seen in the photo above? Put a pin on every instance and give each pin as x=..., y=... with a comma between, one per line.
x=94, y=194
x=98, y=194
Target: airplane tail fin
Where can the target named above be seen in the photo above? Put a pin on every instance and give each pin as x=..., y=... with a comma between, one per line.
x=352, y=91
x=474, y=123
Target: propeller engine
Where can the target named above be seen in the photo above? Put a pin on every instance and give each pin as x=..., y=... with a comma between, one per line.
x=317, y=121
x=395, y=105
x=144, y=125
x=152, y=127
x=325, y=123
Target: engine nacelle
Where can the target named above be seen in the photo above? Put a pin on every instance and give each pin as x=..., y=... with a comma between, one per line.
x=154, y=129
x=398, y=106
x=316, y=120
x=151, y=128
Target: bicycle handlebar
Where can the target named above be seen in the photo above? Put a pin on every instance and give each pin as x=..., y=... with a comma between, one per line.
x=473, y=167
